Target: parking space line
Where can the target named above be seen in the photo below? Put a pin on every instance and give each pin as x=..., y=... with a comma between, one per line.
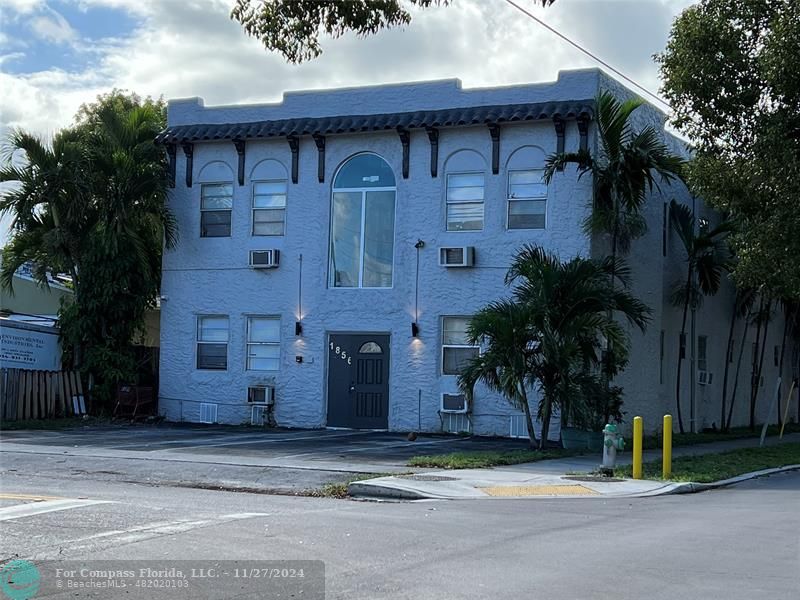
x=29, y=510
x=271, y=439
x=33, y=497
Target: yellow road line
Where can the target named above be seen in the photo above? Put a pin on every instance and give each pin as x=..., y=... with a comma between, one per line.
x=32, y=497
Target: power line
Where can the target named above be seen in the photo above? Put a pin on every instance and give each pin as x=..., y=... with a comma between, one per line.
x=588, y=53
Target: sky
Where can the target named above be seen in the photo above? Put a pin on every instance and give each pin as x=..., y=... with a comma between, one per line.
x=57, y=54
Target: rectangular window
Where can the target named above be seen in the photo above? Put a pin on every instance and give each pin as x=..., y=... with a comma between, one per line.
x=269, y=207
x=776, y=355
x=465, y=202
x=527, y=199
x=664, y=229
x=216, y=204
x=263, y=343
x=456, y=350
x=212, y=342
x=661, y=358
x=702, y=346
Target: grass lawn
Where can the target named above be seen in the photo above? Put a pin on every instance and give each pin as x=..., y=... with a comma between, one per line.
x=690, y=439
x=488, y=458
x=339, y=490
x=714, y=467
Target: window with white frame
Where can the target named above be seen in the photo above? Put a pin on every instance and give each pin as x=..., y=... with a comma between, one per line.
x=456, y=349
x=216, y=204
x=527, y=199
x=263, y=343
x=212, y=342
x=465, y=201
x=269, y=207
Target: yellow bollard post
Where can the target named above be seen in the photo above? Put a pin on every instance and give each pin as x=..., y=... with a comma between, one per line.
x=637, y=447
x=666, y=468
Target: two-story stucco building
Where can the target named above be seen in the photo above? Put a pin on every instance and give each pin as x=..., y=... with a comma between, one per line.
x=333, y=245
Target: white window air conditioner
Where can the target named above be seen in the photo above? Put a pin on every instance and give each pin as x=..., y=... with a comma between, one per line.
x=457, y=256
x=454, y=403
x=263, y=394
x=265, y=259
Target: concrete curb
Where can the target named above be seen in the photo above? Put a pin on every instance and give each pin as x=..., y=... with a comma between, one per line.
x=397, y=491
x=691, y=487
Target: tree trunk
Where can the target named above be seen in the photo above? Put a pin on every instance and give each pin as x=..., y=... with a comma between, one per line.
x=528, y=420
x=756, y=382
x=736, y=374
x=788, y=325
x=546, y=413
x=728, y=350
x=682, y=347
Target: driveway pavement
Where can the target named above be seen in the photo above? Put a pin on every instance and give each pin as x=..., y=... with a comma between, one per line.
x=334, y=450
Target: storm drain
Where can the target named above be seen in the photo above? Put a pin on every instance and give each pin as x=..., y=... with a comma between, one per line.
x=539, y=490
x=429, y=477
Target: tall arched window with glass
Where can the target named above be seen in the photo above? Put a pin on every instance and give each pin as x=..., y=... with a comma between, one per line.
x=362, y=224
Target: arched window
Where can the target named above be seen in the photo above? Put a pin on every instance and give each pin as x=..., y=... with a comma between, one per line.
x=527, y=191
x=216, y=199
x=466, y=174
x=370, y=348
x=362, y=224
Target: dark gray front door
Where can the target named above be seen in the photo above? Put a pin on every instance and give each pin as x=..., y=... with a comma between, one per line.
x=358, y=381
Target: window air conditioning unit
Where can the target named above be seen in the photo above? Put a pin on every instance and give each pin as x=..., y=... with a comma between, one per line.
x=454, y=403
x=705, y=377
x=263, y=394
x=457, y=256
x=264, y=259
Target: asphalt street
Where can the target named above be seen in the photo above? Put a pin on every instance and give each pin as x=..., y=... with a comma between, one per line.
x=739, y=542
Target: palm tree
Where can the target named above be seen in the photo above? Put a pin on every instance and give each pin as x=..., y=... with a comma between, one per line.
x=742, y=306
x=47, y=203
x=629, y=165
x=550, y=336
x=707, y=257
x=92, y=204
x=503, y=328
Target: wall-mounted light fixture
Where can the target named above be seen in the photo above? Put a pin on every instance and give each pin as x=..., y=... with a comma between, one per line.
x=298, y=325
x=415, y=323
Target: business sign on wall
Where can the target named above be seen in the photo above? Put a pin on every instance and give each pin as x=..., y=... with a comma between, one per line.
x=26, y=346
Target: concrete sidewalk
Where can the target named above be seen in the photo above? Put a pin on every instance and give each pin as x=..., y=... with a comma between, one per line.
x=568, y=477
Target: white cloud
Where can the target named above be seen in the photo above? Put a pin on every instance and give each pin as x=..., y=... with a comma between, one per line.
x=53, y=27
x=23, y=6
x=192, y=48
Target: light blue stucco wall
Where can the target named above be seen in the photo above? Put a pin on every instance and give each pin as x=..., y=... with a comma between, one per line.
x=211, y=275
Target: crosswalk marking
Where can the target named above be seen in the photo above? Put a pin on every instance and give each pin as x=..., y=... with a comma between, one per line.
x=37, y=508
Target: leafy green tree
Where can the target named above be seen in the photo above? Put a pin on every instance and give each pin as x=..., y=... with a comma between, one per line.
x=92, y=204
x=550, y=336
x=293, y=27
x=707, y=258
x=730, y=74
x=628, y=166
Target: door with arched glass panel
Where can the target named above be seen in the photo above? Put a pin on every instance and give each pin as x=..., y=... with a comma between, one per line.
x=362, y=224
x=358, y=381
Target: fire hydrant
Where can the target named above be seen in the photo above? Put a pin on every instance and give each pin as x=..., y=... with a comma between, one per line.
x=612, y=442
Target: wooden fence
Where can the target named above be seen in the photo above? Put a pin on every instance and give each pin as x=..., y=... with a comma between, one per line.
x=28, y=394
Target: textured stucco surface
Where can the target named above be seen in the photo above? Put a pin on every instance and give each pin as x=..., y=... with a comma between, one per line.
x=211, y=275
